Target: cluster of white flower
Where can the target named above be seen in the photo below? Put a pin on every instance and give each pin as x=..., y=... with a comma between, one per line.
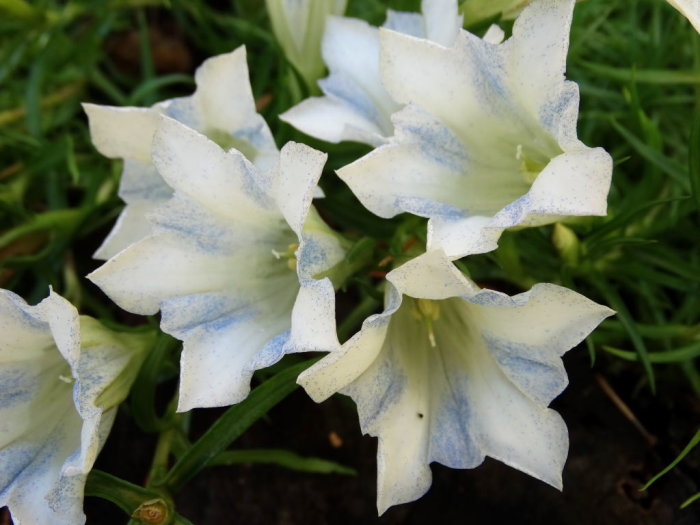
x=478, y=135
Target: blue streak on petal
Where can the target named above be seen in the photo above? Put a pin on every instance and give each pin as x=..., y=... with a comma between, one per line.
x=272, y=352
x=342, y=86
x=210, y=312
x=16, y=386
x=451, y=441
x=540, y=380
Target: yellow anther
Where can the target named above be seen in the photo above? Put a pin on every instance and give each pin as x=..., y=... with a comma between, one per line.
x=289, y=255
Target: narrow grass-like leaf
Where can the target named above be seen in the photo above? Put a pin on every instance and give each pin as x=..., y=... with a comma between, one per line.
x=672, y=168
x=693, y=442
x=684, y=353
x=140, y=95
x=232, y=424
x=694, y=159
x=690, y=500
x=616, y=303
x=283, y=458
x=644, y=76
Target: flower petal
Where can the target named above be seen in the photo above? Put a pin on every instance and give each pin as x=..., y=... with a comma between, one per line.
x=224, y=103
x=359, y=105
x=528, y=333
x=453, y=374
x=119, y=132
x=51, y=430
x=689, y=9
x=442, y=21
x=333, y=120
x=225, y=336
x=299, y=172
x=177, y=154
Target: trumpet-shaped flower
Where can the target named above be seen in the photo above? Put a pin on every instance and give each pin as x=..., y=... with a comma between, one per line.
x=355, y=105
x=222, y=107
x=298, y=26
x=487, y=139
x=61, y=378
x=451, y=373
x=230, y=263
x=689, y=9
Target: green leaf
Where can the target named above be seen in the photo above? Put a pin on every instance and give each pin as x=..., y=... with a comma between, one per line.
x=143, y=391
x=644, y=76
x=232, y=424
x=694, y=158
x=283, y=458
x=125, y=495
x=684, y=353
x=668, y=166
x=690, y=500
x=616, y=303
x=693, y=442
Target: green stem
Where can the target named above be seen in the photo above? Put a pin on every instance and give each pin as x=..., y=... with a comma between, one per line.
x=125, y=495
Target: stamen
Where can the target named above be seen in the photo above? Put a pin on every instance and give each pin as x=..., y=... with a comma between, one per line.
x=427, y=311
x=289, y=255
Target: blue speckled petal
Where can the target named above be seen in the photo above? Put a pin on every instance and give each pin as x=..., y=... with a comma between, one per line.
x=465, y=374
x=356, y=106
x=224, y=262
x=487, y=139
x=51, y=428
x=222, y=107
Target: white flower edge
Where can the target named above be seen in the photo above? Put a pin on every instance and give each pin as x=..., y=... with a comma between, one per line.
x=51, y=430
x=689, y=9
x=455, y=405
x=454, y=152
x=222, y=106
x=215, y=263
x=355, y=106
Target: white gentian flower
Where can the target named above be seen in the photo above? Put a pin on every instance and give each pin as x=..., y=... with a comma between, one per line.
x=689, y=9
x=222, y=107
x=298, y=26
x=355, y=105
x=61, y=378
x=487, y=140
x=230, y=263
x=451, y=373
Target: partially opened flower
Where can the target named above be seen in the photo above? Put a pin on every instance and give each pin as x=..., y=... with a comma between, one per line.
x=487, y=140
x=222, y=107
x=690, y=9
x=61, y=378
x=451, y=373
x=230, y=263
x=298, y=26
x=355, y=105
